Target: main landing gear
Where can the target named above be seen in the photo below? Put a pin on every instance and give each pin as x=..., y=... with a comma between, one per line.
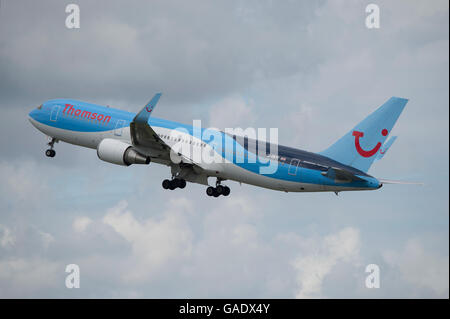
x=218, y=190
x=51, y=152
x=174, y=183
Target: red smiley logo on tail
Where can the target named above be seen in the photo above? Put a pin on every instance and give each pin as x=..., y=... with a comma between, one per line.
x=362, y=152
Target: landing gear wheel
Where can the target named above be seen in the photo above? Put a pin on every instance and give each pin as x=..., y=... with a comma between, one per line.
x=166, y=184
x=226, y=191
x=172, y=185
x=216, y=194
x=219, y=189
x=181, y=183
x=50, y=153
x=210, y=191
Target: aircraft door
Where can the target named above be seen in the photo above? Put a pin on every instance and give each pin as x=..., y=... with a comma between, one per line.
x=54, y=113
x=293, y=166
x=119, y=127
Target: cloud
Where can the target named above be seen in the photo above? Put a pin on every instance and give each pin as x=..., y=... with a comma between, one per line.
x=80, y=224
x=22, y=183
x=47, y=239
x=177, y=48
x=313, y=266
x=300, y=120
x=155, y=243
x=179, y=251
x=6, y=238
x=26, y=277
x=231, y=112
x=421, y=268
x=24, y=274
x=222, y=244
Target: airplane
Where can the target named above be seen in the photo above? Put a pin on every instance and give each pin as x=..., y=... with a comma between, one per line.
x=124, y=138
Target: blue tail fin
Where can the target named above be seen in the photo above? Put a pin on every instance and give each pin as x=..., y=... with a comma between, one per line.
x=360, y=147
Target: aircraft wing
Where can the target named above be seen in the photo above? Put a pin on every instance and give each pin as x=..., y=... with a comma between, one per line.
x=142, y=134
x=341, y=175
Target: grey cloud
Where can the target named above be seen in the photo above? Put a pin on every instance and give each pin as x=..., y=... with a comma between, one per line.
x=127, y=54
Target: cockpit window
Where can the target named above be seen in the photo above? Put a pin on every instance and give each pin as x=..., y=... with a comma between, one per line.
x=39, y=107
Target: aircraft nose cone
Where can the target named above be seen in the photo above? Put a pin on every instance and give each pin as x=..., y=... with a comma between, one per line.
x=32, y=114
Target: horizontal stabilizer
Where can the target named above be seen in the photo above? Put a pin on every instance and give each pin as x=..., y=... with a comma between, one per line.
x=339, y=174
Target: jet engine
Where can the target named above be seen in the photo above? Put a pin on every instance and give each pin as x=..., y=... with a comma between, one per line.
x=121, y=153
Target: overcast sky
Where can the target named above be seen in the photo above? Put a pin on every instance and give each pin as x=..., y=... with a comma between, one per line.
x=310, y=68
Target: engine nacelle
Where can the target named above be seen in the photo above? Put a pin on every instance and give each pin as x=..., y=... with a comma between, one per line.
x=120, y=153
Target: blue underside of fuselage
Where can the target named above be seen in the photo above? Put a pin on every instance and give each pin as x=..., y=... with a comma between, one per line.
x=310, y=165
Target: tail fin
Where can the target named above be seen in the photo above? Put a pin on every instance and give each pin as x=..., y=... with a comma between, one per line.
x=359, y=147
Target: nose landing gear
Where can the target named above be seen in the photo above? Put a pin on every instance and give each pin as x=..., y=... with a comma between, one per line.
x=51, y=152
